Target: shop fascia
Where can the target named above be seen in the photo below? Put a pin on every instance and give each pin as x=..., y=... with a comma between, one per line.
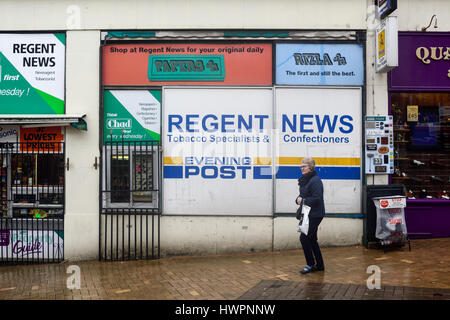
x=428, y=54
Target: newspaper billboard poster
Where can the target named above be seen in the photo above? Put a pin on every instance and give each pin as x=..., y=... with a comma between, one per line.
x=32, y=73
x=217, y=151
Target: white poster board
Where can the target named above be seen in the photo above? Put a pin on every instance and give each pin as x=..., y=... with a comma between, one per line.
x=323, y=123
x=217, y=157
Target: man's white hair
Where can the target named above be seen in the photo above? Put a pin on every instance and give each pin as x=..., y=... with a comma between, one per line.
x=310, y=162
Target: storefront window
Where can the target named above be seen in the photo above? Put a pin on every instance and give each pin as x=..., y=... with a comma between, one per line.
x=143, y=178
x=132, y=130
x=422, y=143
x=120, y=175
x=32, y=184
x=131, y=177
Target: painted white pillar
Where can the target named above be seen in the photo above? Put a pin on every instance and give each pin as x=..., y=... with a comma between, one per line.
x=81, y=223
x=376, y=84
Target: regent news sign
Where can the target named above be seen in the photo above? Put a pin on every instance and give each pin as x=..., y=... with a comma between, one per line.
x=240, y=146
x=319, y=64
x=32, y=73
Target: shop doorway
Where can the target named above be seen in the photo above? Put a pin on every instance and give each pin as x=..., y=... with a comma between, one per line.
x=131, y=198
x=32, y=202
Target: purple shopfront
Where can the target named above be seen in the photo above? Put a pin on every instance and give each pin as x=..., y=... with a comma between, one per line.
x=419, y=99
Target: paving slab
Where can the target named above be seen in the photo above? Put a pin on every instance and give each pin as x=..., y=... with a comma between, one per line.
x=422, y=273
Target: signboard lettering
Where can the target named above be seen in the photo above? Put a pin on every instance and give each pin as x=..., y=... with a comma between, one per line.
x=319, y=64
x=197, y=64
x=222, y=152
x=132, y=115
x=45, y=139
x=32, y=73
x=29, y=244
x=186, y=67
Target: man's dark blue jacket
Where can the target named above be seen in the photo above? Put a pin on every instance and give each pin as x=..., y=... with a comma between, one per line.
x=311, y=190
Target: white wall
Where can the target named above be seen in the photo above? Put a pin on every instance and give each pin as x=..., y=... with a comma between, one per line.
x=81, y=221
x=415, y=14
x=211, y=14
x=331, y=232
x=191, y=235
x=182, y=235
x=181, y=14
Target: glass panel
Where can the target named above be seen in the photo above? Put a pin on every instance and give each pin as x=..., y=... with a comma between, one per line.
x=120, y=178
x=23, y=169
x=50, y=169
x=422, y=144
x=143, y=178
x=50, y=177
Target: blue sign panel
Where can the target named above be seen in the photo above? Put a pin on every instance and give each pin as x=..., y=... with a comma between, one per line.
x=320, y=64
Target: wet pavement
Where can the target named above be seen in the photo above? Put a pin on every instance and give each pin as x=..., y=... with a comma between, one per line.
x=422, y=273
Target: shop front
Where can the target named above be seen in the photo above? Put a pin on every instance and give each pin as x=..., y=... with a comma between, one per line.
x=230, y=122
x=32, y=147
x=419, y=95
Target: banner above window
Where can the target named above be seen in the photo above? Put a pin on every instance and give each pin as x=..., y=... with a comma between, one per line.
x=319, y=64
x=229, y=35
x=187, y=64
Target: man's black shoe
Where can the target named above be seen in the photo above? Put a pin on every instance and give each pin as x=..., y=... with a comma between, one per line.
x=316, y=268
x=307, y=269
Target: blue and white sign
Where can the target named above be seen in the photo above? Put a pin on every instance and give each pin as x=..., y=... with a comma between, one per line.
x=217, y=151
x=325, y=124
x=319, y=64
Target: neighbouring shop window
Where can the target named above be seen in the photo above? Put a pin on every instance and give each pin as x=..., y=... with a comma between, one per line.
x=131, y=138
x=422, y=144
x=37, y=184
x=143, y=178
x=32, y=185
x=131, y=177
x=120, y=178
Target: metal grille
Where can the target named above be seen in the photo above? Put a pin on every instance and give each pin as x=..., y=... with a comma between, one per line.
x=32, y=202
x=130, y=204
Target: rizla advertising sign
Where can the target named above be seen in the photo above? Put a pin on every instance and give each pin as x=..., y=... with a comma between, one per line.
x=32, y=73
x=132, y=115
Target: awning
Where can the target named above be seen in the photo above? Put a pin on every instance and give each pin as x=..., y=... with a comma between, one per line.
x=38, y=120
x=229, y=35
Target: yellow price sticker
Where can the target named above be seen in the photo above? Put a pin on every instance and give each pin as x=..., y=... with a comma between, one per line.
x=381, y=44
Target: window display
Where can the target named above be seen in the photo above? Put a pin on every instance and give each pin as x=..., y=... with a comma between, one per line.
x=31, y=184
x=422, y=144
x=131, y=176
x=120, y=178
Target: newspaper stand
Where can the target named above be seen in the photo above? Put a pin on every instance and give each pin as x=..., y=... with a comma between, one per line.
x=391, y=225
